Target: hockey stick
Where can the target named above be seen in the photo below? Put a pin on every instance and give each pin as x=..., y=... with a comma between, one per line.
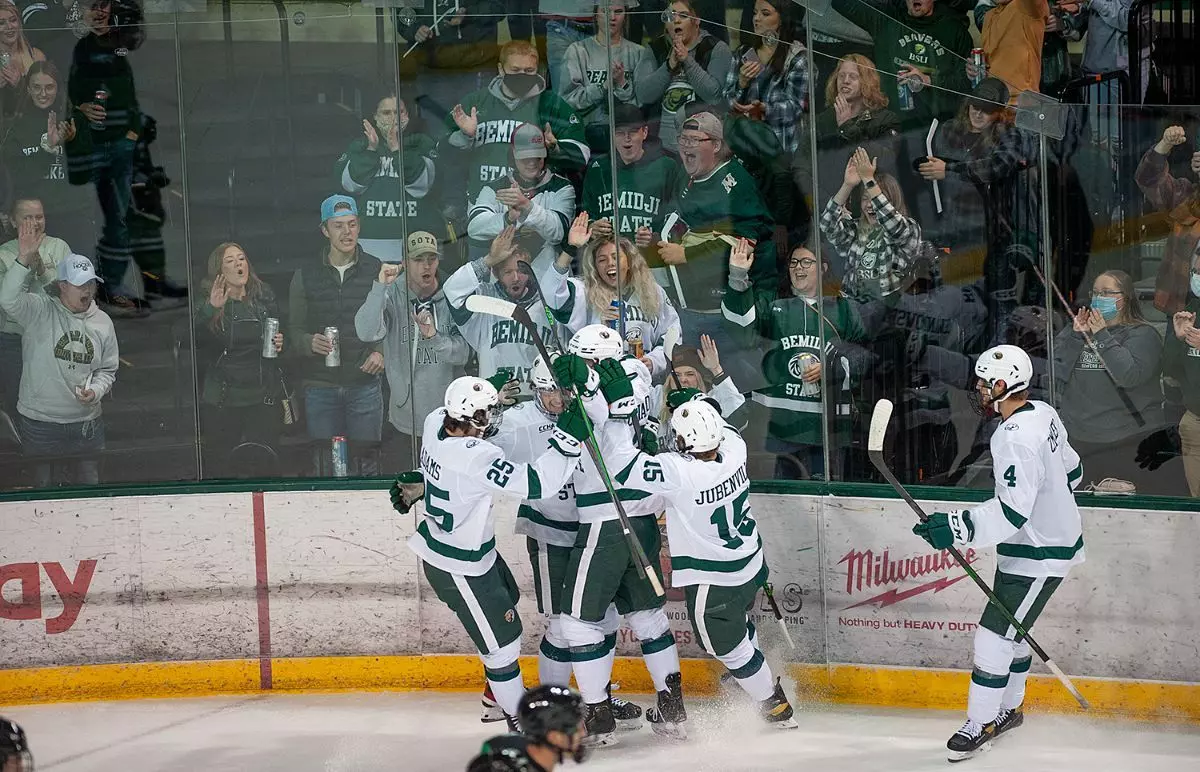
x=670, y=341
x=770, y=592
x=483, y=304
x=879, y=423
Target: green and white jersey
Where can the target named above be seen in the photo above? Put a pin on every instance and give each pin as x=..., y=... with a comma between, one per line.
x=713, y=536
x=457, y=529
x=498, y=342
x=524, y=435
x=615, y=437
x=373, y=177
x=567, y=298
x=1032, y=519
x=644, y=188
x=551, y=210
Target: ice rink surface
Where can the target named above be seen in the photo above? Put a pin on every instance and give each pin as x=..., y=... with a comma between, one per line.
x=425, y=732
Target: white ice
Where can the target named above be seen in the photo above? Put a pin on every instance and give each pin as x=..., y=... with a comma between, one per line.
x=427, y=732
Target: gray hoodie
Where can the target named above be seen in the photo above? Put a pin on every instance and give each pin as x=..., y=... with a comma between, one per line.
x=588, y=71
x=1090, y=405
x=61, y=351
x=387, y=315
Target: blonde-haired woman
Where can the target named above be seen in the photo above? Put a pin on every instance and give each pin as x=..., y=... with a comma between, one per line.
x=642, y=310
x=856, y=107
x=240, y=397
x=16, y=55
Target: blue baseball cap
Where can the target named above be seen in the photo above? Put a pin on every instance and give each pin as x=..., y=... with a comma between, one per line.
x=338, y=206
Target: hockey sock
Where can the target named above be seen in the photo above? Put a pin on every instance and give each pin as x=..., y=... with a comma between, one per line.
x=1018, y=671
x=658, y=644
x=989, y=679
x=590, y=657
x=502, y=668
x=554, y=656
x=747, y=665
x=752, y=634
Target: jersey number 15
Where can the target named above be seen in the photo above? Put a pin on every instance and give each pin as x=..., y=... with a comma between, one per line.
x=742, y=522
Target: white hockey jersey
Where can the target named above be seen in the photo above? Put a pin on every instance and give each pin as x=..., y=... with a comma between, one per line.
x=456, y=532
x=524, y=435
x=1032, y=519
x=713, y=536
x=615, y=438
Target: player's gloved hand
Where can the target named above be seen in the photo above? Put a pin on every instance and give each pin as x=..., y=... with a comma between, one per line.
x=943, y=529
x=677, y=397
x=505, y=385
x=407, y=489
x=571, y=371
x=1159, y=448
x=615, y=384
x=650, y=439
x=570, y=430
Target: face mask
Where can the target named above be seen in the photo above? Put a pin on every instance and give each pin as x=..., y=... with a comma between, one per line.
x=1195, y=282
x=521, y=83
x=1106, y=306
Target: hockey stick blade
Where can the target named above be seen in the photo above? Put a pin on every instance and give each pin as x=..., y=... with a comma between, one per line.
x=1066, y=682
x=769, y=591
x=485, y=304
x=879, y=424
x=670, y=341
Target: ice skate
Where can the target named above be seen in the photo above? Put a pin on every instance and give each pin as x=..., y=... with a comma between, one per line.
x=668, y=716
x=600, y=723
x=1009, y=719
x=628, y=715
x=777, y=711
x=971, y=739
x=490, y=709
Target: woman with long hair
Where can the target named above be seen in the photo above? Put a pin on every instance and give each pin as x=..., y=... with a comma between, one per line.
x=33, y=142
x=1107, y=365
x=241, y=398
x=857, y=109
x=769, y=80
x=16, y=54
x=641, y=312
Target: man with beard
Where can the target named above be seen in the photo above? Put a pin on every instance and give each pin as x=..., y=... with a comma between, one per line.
x=423, y=347
x=535, y=200
x=646, y=179
x=499, y=342
x=483, y=124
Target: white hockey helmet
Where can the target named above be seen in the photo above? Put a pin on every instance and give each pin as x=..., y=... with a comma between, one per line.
x=1005, y=363
x=597, y=342
x=542, y=382
x=474, y=400
x=697, y=427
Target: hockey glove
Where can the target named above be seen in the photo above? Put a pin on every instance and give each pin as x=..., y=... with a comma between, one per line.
x=615, y=383
x=571, y=372
x=407, y=489
x=943, y=529
x=677, y=397
x=650, y=439
x=506, y=385
x=1159, y=448
x=570, y=430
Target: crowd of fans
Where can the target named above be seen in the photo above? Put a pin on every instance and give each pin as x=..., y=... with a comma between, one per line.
x=824, y=227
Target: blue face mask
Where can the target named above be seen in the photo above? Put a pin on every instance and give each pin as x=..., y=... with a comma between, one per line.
x=1195, y=285
x=1107, y=307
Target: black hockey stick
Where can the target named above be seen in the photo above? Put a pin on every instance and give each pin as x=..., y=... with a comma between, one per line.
x=879, y=423
x=770, y=593
x=484, y=304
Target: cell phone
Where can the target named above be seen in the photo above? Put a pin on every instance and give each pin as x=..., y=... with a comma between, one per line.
x=750, y=56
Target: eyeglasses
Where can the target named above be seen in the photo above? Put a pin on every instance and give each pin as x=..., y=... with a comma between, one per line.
x=805, y=263
x=1106, y=293
x=693, y=141
x=669, y=16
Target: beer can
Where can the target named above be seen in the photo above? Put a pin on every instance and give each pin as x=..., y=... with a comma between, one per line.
x=270, y=330
x=979, y=60
x=341, y=457
x=100, y=98
x=615, y=323
x=334, y=357
x=633, y=336
x=905, y=93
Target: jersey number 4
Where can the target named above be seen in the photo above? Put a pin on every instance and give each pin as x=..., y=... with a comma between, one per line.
x=742, y=522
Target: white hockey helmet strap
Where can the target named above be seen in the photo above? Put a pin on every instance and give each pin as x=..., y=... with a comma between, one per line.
x=597, y=342
x=468, y=395
x=697, y=426
x=1005, y=363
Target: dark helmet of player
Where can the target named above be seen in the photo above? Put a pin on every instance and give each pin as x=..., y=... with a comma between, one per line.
x=552, y=708
x=14, y=749
x=501, y=760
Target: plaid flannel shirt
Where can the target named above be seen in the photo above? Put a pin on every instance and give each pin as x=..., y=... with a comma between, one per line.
x=878, y=261
x=786, y=96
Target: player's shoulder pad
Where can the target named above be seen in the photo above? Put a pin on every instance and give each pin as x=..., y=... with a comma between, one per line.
x=634, y=366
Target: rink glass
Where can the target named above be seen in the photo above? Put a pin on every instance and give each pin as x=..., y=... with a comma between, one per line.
x=255, y=102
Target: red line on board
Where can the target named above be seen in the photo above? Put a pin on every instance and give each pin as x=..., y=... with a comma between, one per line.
x=262, y=592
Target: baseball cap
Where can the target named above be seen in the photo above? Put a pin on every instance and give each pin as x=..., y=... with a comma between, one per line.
x=77, y=270
x=705, y=123
x=629, y=116
x=989, y=96
x=329, y=207
x=421, y=243
x=528, y=142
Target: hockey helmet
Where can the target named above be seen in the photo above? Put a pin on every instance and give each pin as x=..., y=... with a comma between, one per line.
x=544, y=387
x=697, y=427
x=1004, y=363
x=475, y=401
x=597, y=342
x=552, y=708
x=14, y=748
x=502, y=760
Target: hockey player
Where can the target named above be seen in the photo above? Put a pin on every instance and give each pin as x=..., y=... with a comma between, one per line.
x=602, y=569
x=462, y=470
x=551, y=721
x=14, y=748
x=1035, y=525
x=716, y=552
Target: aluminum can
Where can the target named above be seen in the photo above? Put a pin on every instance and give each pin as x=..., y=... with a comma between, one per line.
x=334, y=357
x=341, y=457
x=615, y=323
x=905, y=94
x=100, y=98
x=270, y=330
x=979, y=59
